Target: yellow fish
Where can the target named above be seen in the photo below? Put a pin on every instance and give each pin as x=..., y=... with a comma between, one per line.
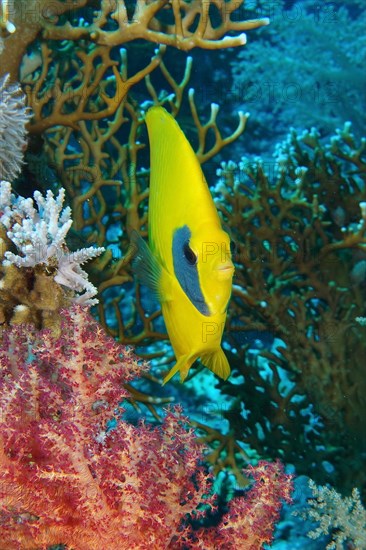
x=188, y=261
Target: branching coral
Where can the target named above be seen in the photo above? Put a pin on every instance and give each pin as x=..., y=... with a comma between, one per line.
x=180, y=23
x=223, y=452
x=117, y=22
x=343, y=518
x=83, y=97
x=301, y=237
x=39, y=235
x=67, y=478
x=33, y=278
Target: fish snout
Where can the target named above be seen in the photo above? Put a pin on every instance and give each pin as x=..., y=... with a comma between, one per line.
x=225, y=270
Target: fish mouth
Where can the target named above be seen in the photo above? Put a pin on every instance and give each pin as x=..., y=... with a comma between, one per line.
x=226, y=270
x=226, y=267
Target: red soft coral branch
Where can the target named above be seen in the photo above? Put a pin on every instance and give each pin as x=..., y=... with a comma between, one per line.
x=64, y=478
x=251, y=518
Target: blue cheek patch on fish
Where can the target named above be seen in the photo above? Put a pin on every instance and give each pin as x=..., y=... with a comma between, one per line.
x=185, y=269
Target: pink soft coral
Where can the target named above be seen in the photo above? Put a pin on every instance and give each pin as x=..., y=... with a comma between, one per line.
x=65, y=479
x=250, y=521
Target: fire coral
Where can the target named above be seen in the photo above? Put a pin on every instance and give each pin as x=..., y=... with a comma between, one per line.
x=67, y=478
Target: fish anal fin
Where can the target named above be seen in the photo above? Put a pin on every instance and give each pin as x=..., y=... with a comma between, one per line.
x=182, y=365
x=217, y=362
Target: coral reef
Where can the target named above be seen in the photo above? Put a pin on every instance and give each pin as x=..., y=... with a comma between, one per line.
x=343, y=518
x=43, y=275
x=277, y=80
x=73, y=470
x=66, y=477
x=117, y=22
x=300, y=231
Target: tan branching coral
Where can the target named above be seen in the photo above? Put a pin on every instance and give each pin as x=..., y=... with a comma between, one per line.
x=191, y=24
x=224, y=452
x=180, y=23
x=300, y=278
x=83, y=97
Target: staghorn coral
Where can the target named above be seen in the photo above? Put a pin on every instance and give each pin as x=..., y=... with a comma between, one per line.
x=13, y=117
x=67, y=478
x=300, y=231
x=39, y=235
x=43, y=275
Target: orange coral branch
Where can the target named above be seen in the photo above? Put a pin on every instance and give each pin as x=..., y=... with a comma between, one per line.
x=145, y=23
x=86, y=89
x=203, y=129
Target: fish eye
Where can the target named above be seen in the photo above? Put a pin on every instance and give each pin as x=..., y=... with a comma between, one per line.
x=190, y=256
x=233, y=247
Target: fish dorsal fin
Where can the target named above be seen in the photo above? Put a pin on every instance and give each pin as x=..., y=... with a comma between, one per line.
x=145, y=265
x=217, y=362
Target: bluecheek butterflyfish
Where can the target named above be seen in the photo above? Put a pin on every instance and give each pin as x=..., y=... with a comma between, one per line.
x=187, y=262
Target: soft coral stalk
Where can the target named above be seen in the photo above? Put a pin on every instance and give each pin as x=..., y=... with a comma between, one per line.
x=66, y=478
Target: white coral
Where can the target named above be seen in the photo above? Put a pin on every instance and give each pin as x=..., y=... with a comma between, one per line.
x=344, y=518
x=39, y=236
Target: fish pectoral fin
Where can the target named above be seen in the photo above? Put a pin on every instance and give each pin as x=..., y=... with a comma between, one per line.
x=217, y=362
x=148, y=269
x=145, y=265
x=183, y=365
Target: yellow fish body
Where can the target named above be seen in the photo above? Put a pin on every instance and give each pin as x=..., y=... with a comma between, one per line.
x=188, y=261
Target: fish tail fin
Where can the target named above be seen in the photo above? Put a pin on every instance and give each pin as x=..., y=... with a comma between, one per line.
x=183, y=365
x=217, y=362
